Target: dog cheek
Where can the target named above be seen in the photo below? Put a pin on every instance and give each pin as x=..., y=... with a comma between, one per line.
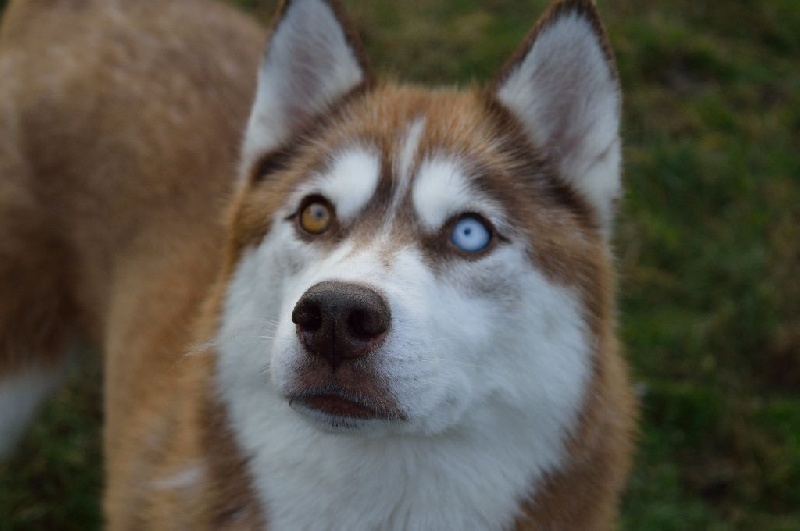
x=241, y=342
x=485, y=308
x=254, y=325
x=446, y=365
x=284, y=354
x=294, y=260
x=494, y=280
x=411, y=361
x=289, y=257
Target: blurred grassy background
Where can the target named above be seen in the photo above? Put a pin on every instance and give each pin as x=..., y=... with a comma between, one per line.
x=708, y=242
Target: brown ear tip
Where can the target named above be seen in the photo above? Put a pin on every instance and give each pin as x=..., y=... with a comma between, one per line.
x=587, y=4
x=580, y=7
x=586, y=9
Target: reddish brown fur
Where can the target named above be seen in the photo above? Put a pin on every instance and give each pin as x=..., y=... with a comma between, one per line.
x=99, y=159
x=120, y=135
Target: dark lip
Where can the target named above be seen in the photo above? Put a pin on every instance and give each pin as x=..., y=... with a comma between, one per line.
x=342, y=405
x=338, y=406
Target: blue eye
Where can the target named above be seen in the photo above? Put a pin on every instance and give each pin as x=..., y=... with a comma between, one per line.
x=470, y=234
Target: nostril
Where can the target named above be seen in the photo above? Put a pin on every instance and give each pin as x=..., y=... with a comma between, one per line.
x=366, y=324
x=307, y=316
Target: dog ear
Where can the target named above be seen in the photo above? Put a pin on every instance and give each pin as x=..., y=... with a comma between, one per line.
x=562, y=87
x=313, y=59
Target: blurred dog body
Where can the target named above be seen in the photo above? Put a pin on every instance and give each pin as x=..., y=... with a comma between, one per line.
x=120, y=130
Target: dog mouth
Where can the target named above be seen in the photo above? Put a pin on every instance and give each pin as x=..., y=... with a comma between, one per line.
x=337, y=403
x=339, y=406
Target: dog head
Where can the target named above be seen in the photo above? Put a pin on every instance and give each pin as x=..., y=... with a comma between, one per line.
x=410, y=262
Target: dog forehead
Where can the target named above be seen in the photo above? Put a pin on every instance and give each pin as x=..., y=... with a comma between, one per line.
x=407, y=151
x=422, y=195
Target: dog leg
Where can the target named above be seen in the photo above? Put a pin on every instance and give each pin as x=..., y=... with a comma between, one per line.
x=36, y=317
x=36, y=342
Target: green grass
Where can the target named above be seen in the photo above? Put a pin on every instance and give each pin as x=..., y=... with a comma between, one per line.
x=53, y=483
x=708, y=242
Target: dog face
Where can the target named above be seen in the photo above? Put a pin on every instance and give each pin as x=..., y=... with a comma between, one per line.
x=412, y=262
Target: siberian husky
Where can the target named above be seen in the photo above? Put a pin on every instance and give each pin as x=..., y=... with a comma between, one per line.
x=405, y=317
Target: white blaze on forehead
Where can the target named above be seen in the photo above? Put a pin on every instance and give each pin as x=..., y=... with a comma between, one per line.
x=351, y=181
x=407, y=149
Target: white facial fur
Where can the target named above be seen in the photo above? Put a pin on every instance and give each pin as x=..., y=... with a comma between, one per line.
x=442, y=191
x=487, y=359
x=350, y=183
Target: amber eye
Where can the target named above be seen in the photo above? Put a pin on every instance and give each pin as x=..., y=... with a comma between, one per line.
x=316, y=216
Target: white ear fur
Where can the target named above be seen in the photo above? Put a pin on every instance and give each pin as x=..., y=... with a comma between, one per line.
x=565, y=93
x=309, y=64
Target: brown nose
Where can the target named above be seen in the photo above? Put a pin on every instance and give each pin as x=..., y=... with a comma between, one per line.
x=338, y=321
